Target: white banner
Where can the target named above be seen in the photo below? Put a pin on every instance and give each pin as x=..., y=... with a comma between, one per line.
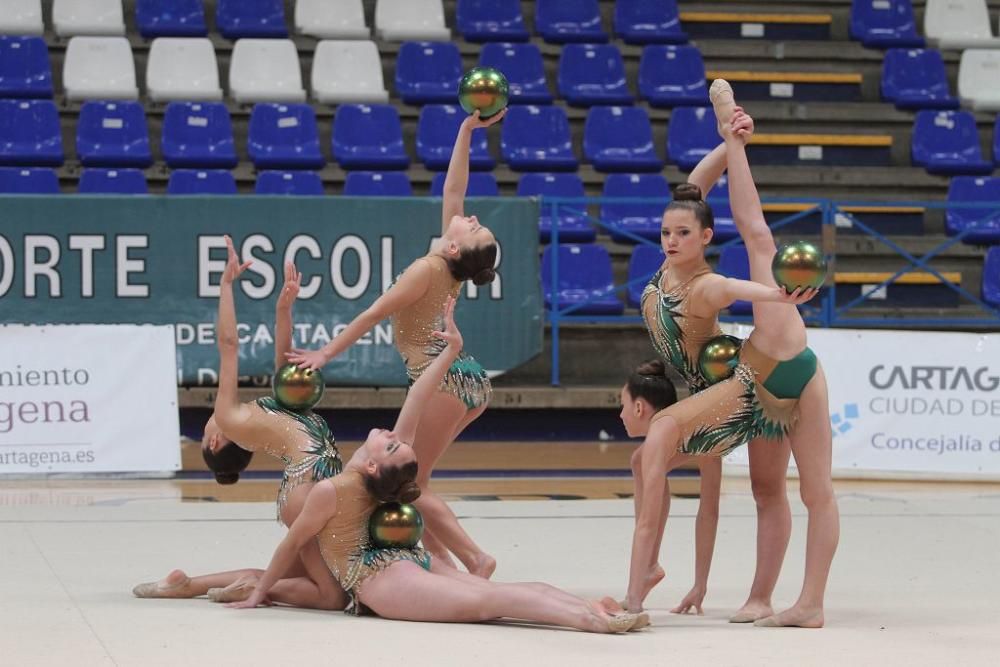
x=910, y=401
x=88, y=398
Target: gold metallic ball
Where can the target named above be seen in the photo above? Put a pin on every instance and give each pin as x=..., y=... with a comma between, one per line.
x=799, y=264
x=719, y=358
x=297, y=388
x=483, y=88
x=395, y=525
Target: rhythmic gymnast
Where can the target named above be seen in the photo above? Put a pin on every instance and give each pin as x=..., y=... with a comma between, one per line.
x=775, y=375
x=302, y=440
x=466, y=251
x=404, y=583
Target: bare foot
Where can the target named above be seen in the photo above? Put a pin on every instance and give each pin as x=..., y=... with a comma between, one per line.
x=723, y=100
x=793, y=618
x=483, y=566
x=238, y=591
x=654, y=577
x=752, y=611
x=174, y=585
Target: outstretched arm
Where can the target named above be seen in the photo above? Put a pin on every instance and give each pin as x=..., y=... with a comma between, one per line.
x=427, y=384
x=320, y=505
x=708, y=172
x=283, y=315
x=228, y=410
x=705, y=529
x=457, y=180
x=720, y=292
x=411, y=286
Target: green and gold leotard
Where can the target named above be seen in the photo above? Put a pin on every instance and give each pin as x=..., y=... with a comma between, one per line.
x=346, y=545
x=412, y=327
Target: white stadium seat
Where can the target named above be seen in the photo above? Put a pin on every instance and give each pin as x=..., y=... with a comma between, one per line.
x=331, y=19
x=402, y=20
x=21, y=17
x=88, y=17
x=265, y=70
x=181, y=68
x=348, y=72
x=99, y=68
x=959, y=24
x=978, y=77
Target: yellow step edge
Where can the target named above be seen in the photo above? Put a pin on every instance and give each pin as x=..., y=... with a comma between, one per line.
x=733, y=17
x=790, y=207
x=785, y=77
x=871, y=140
x=912, y=278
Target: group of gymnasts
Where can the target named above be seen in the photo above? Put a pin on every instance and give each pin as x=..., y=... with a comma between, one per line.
x=775, y=400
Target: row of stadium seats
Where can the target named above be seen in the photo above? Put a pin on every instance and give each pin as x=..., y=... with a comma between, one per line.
x=586, y=277
x=948, y=24
x=636, y=21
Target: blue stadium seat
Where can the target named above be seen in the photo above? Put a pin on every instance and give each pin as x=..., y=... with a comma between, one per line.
x=572, y=219
x=170, y=18
x=24, y=67
x=559, y=21
x=991, y=277
x=734, y=263
x=620, y=139
x=722, y=213
x=522, y=65
x=113, y=134
x=996, y=142
x=491, y=20
x=481, y=184
x=28, y=181
x=201, y=182
x=592, y=74
x=289, y=183
x=250, y=18
x=584, y=274
x=377, y=184
x=368, y=137
x=30, y=133
x=428, y=72
x=671, y=76
x=916, y=79
x=648, y=22
x=879, y=24
x=642, y=220
x=537, y=138
x=436, y=132
x=692, y=135
x=947, y=142
x=197, y=134
x=645, y=261
x=127, y=181
x=284, y=136
x=971, y=189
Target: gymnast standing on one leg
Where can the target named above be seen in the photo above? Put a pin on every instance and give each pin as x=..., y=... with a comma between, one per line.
x=402, y=583
x=466, y=251
x=302, y=440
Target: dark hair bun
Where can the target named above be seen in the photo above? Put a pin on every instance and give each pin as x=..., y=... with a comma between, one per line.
x=227, y=477
x=409, y=492
x=653, y=367
x=484, y=277
x=687, y=192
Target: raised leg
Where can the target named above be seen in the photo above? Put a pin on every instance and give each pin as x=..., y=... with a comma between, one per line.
x=812, y=447
x=768, y=472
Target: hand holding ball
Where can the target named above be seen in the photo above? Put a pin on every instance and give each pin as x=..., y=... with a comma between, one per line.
x=396, y=526
x=485, y=89
x=799, y=264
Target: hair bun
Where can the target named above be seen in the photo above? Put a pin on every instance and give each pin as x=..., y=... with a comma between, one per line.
x=653, y=367
x=409, y=492
x=687, y=192
x=484, y=277
x=227, y=478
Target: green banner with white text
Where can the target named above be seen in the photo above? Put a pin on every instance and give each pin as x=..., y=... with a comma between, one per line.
x=157, y=260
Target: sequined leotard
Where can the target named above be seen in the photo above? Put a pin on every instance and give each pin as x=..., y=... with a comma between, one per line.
x=302, y=440
x=412, y=327
x=345, y=543
x=717, y=418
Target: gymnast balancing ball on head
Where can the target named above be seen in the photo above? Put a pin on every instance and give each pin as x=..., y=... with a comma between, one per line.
x=301, y=439
x=405, y=583
x=466, y=251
